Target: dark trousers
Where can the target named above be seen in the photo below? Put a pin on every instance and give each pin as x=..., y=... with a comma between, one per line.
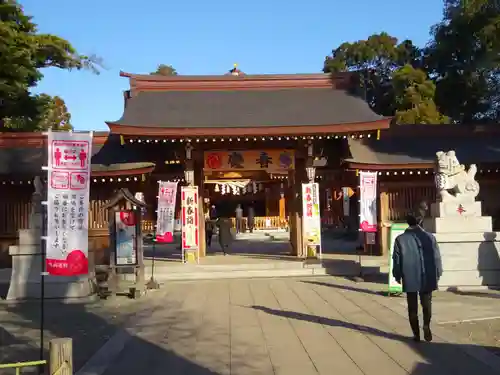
x=239, y=225
x=250, y=224
x=224, y=247
x=426, y=302
x=208, y=237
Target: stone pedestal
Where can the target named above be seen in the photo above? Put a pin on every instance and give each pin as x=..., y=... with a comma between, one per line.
x=470, y=251
x=25, y=279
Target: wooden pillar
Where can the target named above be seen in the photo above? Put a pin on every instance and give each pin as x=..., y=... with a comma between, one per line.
x=267, y=192
x=61, y=356
x=282, y=208
x=296, y=208
x=297, y=201
x=199, y=181
x=383, y=231
x=292, y=217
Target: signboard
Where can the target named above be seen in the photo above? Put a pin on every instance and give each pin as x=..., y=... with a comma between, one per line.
x=347, y=193
x=125, y=238
x=140, y=197
x=250, y=160
x=68, y=203
x=311, y=217
x=190, y=217
x=368, y=201
x=396, y=230
x=167, y=193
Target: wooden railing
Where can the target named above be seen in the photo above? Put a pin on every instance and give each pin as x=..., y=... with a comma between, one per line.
x=61, y=359
x=260, y=223
x=18, y=366
x=264, y=222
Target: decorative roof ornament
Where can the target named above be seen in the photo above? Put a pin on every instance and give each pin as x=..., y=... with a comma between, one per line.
x=235, y=71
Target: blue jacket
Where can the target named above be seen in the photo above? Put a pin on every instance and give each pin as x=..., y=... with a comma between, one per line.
x=416, y=260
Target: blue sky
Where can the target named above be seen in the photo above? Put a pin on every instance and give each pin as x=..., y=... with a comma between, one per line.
x=208, y=37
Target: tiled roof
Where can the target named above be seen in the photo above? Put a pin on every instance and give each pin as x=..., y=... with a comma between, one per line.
x=245, y=108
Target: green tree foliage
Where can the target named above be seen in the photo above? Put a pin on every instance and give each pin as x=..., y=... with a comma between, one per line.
x=456, y=77
x=165, y=70
x=414, y=97
x=24, y=53
x=49, y=112
x=375, y=62
x=54, y=114
x=464, y=59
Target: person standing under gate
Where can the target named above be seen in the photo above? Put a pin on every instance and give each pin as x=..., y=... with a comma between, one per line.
x=417, y=266
x=209, y=231
x=213, y=213
x=251, y=218
x=225, y=235
x=239, y=219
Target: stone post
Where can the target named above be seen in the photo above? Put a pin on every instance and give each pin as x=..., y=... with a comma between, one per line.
x=27, y=262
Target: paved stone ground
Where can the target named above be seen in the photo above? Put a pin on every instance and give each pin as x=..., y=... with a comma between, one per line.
x=257, y=245
x=484, y=331
x=290, y=326
x=90, y=326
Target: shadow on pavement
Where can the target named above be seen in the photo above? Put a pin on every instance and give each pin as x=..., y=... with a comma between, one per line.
x=493, y=293
x=442, y=358
x=89, y=332
x=343, y=287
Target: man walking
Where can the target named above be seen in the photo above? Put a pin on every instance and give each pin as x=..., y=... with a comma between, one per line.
x=225, y=235
x=417, y=266
x=209, y=232
x=251, y=218
x=239, y=219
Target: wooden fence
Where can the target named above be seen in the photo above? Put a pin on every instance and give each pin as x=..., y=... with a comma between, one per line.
x=402, y=200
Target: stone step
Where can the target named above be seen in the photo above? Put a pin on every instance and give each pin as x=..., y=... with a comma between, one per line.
x=239, y=274
x=194, y=268
x=263, y=270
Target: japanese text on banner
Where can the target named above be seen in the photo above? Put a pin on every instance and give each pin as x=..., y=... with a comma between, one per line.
x=68, y=203
x=368, y=201
x=167, y=193
x=190, y=227
x=311, y=220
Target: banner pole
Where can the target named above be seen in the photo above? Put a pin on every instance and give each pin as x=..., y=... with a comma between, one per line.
x=43, y=250
x=152, y=283
x=153, y=260
x=42, y=287
x=360, y=247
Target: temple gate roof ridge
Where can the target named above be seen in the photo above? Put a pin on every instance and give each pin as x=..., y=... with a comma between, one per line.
x=146, y=82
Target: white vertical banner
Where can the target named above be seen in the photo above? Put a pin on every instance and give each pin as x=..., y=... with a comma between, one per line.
x=190, y=220
x=165, y=221
x=311, y=216
x=368, y=201
x=68, y=189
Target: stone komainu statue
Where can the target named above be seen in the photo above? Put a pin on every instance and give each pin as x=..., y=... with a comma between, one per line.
x=453, y=181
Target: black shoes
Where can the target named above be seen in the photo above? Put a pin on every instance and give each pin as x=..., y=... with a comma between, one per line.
x=427, y=333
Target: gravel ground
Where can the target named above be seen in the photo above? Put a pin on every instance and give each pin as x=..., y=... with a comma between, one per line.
x=90, y=325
